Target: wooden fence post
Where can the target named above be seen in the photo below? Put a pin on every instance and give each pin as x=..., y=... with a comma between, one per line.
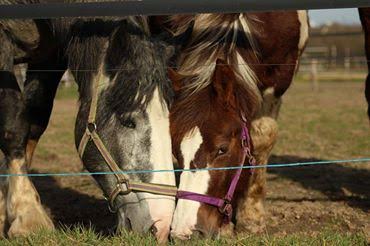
x=314, y=79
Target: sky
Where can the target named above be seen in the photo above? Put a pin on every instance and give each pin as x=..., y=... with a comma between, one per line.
x=348, y=16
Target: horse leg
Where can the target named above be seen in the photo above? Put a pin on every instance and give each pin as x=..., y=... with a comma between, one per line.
x=26, y=213
x=3, y=190
x=251, y=212
x=40, y=89
x=365, y=20
x=12, y=117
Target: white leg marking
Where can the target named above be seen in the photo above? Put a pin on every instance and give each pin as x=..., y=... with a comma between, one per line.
x=185, y=217
x=25, y=212
x=3, y=187
x=271, y=103
x=3, y=191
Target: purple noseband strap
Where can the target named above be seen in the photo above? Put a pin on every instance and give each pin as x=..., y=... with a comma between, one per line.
x=224, y=205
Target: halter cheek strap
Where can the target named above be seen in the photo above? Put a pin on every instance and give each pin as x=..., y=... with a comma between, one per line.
x=124, y=185
x=224, y=204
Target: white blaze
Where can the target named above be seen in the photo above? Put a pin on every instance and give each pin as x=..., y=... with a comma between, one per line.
x=185, y=217
x=161, y=207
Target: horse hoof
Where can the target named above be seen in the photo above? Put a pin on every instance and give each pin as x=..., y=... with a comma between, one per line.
x=251, y=227
x=3, y=224
x=31, y=223
x=227, y=230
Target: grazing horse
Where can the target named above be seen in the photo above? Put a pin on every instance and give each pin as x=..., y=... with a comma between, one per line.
x=122, y=122
x=206, y=129
x=365, y=20
x=261, y=53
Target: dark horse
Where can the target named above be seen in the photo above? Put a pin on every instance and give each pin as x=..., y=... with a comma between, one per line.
x=365, y=20
x=132, y=116
x=232, y=72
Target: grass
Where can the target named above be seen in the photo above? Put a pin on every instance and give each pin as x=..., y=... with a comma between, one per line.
x=67, y=92
x=81, y=236
x=333, y=76
x=330, y=123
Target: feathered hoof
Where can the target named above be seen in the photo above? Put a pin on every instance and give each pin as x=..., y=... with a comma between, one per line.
x=227, y=230
x=252, y=227
x=29, y=222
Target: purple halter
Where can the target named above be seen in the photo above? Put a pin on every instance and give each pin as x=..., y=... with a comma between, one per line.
x=224, y=204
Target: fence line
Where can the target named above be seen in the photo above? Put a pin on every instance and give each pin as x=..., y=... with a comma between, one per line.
x=165, y=7
x=210, y=65
x=297, y=164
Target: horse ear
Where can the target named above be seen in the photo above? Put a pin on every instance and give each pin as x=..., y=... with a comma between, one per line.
x=175, y=77
x=223, y=82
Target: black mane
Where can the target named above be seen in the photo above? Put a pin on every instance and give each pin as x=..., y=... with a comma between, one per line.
x=138, y=64
x=135, y=62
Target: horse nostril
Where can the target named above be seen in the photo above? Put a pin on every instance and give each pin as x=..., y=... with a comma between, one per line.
x=128, y=224
x=153, y=230
x=197, y=234
x=160, y=230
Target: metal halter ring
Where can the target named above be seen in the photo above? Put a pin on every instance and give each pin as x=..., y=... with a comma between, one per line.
x=91, y=126
x=244, y=143
x=124, y=187
x=226, y=208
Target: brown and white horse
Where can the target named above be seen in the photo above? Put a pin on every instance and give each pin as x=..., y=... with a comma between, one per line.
x=365, y=20
x=206, y=129
x=261, y=53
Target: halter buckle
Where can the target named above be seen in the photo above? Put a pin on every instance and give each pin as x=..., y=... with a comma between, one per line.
x=124, y=187
x=226, y=208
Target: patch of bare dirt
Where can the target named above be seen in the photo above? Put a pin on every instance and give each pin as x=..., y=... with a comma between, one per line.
x=310, y=200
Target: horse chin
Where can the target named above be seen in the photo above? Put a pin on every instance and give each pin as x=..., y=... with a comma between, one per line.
x=133, y=215
x=150, y=214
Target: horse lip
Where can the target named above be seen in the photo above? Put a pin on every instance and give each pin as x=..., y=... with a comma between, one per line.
x=180, y=236
x=128, y=223
x=201, y=231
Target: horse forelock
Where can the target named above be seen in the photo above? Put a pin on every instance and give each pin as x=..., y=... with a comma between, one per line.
x=138, y=67
x=218, y=36
x=191, y=110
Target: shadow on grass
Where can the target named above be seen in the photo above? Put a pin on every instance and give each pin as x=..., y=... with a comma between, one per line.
x=338, y=183
x=68, y=207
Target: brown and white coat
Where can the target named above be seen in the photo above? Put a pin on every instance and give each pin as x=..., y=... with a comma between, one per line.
x=263, y=50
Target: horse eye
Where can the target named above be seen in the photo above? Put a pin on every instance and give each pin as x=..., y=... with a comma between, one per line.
x=222, y=150
x=130, y=123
